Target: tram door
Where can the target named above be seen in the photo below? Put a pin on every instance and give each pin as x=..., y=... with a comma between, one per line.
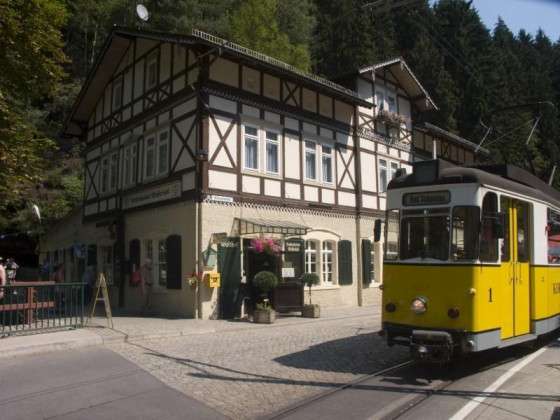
x=516, y=257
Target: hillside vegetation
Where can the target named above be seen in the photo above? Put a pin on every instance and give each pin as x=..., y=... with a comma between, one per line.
x=479, y=77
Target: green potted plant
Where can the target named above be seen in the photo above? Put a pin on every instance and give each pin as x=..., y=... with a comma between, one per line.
x=264, y=281
x=310, y=310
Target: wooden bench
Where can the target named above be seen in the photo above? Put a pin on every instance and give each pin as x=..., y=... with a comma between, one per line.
x=30, y=305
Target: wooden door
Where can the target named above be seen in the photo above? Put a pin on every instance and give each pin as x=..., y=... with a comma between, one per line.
x=229, y=266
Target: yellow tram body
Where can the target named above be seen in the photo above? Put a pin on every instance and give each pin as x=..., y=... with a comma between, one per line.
x=506, y=291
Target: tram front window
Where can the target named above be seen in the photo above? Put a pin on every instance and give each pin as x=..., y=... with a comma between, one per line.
x=425, y=234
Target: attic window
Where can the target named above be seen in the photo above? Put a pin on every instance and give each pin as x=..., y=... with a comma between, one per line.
x=117, y=93
x=151, y=71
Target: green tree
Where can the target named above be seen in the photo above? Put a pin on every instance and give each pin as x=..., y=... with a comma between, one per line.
x=344, y=38
x=254, y=25
x=31, y=58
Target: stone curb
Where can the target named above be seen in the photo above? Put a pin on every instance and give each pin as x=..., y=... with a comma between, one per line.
x=12, y=347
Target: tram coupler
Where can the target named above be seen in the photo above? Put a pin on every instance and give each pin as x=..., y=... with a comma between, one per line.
x=431, y=346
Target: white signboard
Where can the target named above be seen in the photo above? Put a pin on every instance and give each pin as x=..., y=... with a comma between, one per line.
x=288, y=272
x=220, y=198
x=153, y=195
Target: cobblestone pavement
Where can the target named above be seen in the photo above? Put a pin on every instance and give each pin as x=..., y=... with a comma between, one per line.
x=251, y=372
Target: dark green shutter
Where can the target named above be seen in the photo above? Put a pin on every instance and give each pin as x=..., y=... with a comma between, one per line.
x=366, y=261
x=345, y=262
x=173, y=244
x=134, y=254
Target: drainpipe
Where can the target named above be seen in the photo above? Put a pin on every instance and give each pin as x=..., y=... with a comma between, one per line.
x=358, y=180
x=198, y=249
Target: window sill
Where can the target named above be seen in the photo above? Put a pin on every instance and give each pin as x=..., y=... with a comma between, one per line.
x=324, y=287
x=315, y=183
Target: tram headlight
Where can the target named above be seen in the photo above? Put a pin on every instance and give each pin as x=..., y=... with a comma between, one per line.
x=419, y=305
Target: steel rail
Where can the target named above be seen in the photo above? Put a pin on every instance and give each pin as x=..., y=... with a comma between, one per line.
x=323, y=395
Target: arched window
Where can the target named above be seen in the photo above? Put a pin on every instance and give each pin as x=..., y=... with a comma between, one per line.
x=311, y=256
x=327, y=263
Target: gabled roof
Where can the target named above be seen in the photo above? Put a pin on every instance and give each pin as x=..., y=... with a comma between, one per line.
x=407, y=79
x=120, y=39
x=440, y=132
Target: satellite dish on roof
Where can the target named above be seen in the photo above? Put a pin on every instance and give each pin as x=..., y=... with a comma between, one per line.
x=142, y=12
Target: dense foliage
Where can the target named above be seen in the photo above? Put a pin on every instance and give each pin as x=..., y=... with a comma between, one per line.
x=479, y=77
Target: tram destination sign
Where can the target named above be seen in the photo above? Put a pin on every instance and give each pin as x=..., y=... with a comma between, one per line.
x=426, y=198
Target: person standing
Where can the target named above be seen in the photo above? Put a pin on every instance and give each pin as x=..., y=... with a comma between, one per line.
x=3, y=280
x=146, y=284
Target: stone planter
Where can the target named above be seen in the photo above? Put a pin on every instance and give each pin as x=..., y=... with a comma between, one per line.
x=311, y=311
x=264, y=316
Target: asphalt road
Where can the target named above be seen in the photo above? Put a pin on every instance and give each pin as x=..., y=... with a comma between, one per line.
x=96, y=383
x=516, y=383
x=92, y=383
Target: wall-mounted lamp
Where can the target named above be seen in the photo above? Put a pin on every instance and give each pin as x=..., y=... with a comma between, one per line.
x=202, y=155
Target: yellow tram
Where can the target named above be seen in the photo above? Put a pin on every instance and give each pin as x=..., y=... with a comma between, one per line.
x=472, y=259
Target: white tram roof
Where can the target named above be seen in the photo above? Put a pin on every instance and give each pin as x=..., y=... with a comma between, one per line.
x=505, y=177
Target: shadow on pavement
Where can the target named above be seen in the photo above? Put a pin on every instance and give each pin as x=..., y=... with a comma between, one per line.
x=357, y=354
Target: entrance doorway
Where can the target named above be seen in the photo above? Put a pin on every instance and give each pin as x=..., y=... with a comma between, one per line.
x=516, y=257
x=229, y=266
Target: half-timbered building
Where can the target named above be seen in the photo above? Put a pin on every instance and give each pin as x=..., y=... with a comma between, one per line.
x=197, y=148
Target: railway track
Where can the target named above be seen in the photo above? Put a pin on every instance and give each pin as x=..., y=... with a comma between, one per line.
x=395, y=407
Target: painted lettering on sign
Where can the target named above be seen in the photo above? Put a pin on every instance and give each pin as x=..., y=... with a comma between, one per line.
x=556, y=288
x=426, y=198
x=153, y=195
x=229, y=244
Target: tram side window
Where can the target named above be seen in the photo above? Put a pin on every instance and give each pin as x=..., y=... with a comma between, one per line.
x=553, y=231
x=523, y=232
x=392, y=235
x=466, y=222
x=488, y=233
x=504, y=206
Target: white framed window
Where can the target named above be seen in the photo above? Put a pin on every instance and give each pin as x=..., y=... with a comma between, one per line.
x=311, y=256
x=130, y=165
x=117, y=93
x=152, y=70
x=372, y=265
x=148, y=263
x=107, y=263
x=105, y=175
x=163, y=152
x=380, y=100
x=310, y=160
x=114, y=173
x=387, y=172
x=162, y=262
x=382, y=175
x=327, y=163
x=391, y=103
x=251, y=148
x=394, y=169
x=272, y=152
x=327, y=263
x=150, y=160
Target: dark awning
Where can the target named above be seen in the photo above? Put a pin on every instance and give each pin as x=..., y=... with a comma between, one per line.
x=248, y=226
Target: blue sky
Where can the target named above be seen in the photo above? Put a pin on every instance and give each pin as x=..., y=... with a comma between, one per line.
x=522, y=14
